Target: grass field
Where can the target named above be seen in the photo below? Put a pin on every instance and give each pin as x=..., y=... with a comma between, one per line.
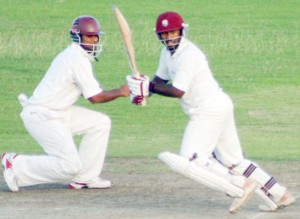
x=252, y=46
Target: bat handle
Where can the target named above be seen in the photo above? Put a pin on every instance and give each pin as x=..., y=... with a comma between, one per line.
x=136, y=74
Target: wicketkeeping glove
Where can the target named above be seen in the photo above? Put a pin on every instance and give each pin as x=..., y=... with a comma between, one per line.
x=138, y=86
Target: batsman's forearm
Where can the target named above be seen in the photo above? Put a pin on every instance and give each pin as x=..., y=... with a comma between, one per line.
x=165, y=90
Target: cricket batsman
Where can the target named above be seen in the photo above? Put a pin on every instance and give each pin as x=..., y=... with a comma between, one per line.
x=210, y=151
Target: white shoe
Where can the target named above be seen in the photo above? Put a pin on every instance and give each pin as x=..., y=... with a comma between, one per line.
x=8, y=173
x=238, y=203
x=96, y=183
x=286, y=200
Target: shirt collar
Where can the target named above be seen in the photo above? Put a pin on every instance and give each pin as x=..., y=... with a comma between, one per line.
x=82, y=51
x=182, y=45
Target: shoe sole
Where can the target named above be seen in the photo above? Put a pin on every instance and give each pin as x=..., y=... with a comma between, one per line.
x=243, y=202
x=10, y=183
x=6, y=173
x=282, y=205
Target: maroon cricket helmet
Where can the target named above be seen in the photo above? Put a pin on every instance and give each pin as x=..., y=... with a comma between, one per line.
x=169, y=21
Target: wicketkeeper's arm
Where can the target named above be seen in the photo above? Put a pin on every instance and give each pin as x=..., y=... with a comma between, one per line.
x=110, y=95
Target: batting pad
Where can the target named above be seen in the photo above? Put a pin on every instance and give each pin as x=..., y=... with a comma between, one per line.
x=271, y=205
x=269, y=184
x=183, y=166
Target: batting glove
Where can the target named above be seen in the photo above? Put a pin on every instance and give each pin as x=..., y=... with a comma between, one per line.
x=138, y=86
x=138, y=100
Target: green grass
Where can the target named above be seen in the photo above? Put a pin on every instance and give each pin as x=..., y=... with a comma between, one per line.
x=252, y=46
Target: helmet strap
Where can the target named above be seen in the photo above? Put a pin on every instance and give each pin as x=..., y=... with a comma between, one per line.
x=95, y=57
x=172, y=49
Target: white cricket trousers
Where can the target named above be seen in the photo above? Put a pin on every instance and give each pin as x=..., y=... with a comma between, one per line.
x=54, y=131
x=212, y=128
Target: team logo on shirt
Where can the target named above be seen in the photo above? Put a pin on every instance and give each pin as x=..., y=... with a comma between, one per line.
x=165, y=23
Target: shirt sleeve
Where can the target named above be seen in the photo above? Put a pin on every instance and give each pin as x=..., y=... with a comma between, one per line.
x=162, y=70
x=184, y=74
x=85, y=79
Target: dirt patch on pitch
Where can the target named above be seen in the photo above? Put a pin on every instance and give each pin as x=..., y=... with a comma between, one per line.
x=142, y=188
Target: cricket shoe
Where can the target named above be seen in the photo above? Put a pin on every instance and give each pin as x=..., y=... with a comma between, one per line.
x=239, y=202
x=8, y=173
x=286, y=200
x=96, y=183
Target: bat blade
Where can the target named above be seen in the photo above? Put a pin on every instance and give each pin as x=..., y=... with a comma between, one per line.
x=128, y=41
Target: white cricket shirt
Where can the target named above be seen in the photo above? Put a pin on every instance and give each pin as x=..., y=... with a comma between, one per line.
x=189, y=71
x=69, y=76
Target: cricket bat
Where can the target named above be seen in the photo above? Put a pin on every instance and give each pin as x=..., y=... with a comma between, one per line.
x=127, y=38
